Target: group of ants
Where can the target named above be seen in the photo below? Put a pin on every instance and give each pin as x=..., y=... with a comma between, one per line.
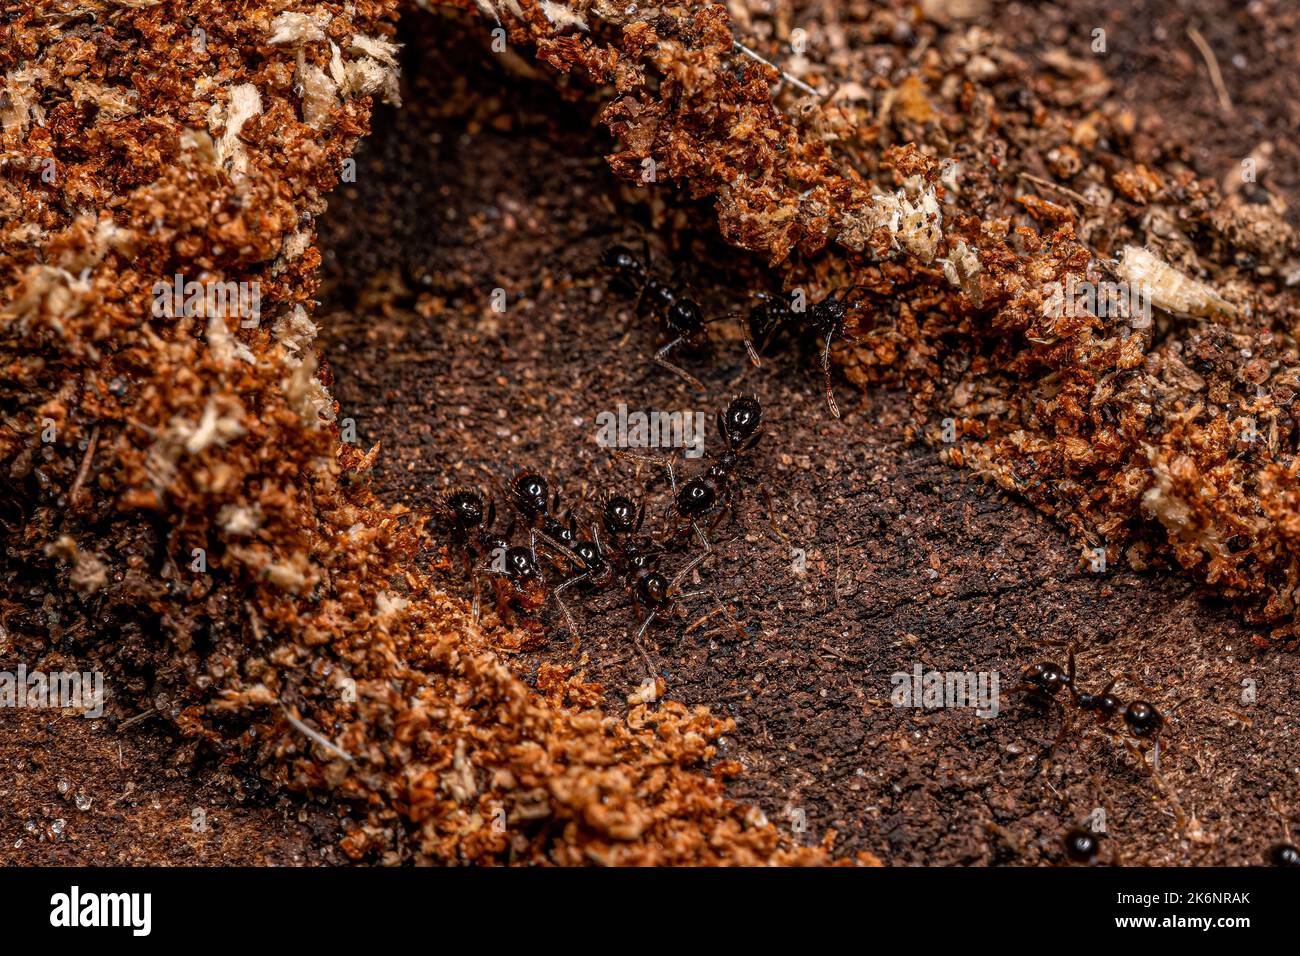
x=558, y=555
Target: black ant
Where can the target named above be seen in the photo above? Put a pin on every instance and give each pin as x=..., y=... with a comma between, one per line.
x=654, y=594
x=597, y=566
x=632, y=561
x=531, y=496
x=470, y=530
x=683, y=321
x=1045, y=680
x=741, y=427
x=520, y=587
x=517, y=578
x=1284, y=855
x=774, y=315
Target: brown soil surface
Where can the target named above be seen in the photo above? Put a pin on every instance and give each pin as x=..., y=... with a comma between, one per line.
x=1158, y=69
x=76, y=792
x=908, y=561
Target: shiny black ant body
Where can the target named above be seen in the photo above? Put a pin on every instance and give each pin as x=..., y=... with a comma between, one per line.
x=683, y=320
x=773, y=316
x=1284, y=855
x=709, y=493
x=520, y=587
x=517, y=578
x=531, y=495
x=470, y=529
x=599, y=566
x=1045, y=680
x=1082, y=846
x=631, y=561
x=653, y=594
x=741, y=427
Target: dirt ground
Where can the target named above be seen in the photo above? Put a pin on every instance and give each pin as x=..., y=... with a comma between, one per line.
x=907, y=561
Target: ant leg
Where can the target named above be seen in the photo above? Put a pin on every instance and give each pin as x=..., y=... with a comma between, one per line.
x=826, y=372
x=661, y=359
x=644, y=625
x=554, y=545
x=682, y=574
x=1045, y=760
x=719, y=608
x=633, y=456
x=564, y=608
x=572, y=581
x=672, y=477
x=471, y=576
x=749, y=345
x=708, y=548
x=771, y=518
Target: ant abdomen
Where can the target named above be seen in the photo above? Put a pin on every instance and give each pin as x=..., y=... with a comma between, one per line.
x=1081, y=846
x=529, y=492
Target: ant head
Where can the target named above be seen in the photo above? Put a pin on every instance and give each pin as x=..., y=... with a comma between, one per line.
x=652, y=589
x=519, y=564
x=1143, y=719
x=466, y=509
x=629, y=272
x=530, y=491
x=621, y=516
x=696, y=498
x=620, y=259
x=1081, y=845
x=742, y=419
x=684, y=317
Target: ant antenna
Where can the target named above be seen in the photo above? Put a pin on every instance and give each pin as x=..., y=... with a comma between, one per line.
x=792, y=80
